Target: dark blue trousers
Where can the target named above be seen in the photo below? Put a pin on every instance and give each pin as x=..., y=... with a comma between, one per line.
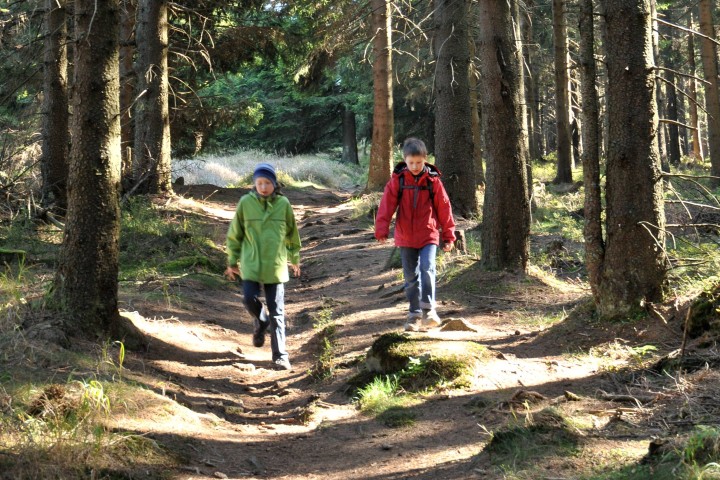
x=274, y=321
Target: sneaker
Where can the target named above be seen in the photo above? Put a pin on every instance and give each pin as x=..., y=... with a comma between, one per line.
x=282, y=364
x=413, y=322
x=259, y=332
x=430, y=319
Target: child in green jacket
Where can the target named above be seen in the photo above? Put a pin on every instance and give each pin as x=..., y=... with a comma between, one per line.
x=263, y=237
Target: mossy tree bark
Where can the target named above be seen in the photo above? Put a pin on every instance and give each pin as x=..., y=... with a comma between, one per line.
x=506, y=211
x=634, y=267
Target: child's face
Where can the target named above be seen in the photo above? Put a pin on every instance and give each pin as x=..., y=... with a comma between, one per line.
x=264, y=186
x=415, y=163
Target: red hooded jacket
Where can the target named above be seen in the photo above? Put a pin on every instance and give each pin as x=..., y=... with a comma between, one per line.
x=418, y=222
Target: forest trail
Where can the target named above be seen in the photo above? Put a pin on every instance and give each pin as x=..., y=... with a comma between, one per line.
x=244, y=419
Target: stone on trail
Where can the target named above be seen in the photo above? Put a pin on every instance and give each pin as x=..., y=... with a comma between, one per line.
x=244, y=367
x=457, y=325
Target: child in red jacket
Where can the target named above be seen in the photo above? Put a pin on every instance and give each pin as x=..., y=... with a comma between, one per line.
x=423, y=209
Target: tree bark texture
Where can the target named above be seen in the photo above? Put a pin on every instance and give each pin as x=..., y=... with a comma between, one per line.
x=506, y=211
x=712, y=95
x=453, y=116
x=660, y=93
x=475, y=115
x=86, y=282
x=349, y=150
x=381, y=151
x=697, y=151
x=533, y=97
x=55, y=134
x=152, y=119
x=562, y=92
x=127, y=86
x=592, y=230
x=634, y=268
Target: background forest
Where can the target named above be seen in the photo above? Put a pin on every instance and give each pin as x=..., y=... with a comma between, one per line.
x=579, y=142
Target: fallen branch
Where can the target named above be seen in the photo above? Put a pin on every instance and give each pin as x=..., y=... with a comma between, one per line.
x=638, y=400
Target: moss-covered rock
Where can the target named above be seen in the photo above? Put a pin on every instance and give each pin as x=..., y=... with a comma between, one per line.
x=422, y=361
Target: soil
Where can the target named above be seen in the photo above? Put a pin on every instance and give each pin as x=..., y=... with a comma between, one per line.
x=234, y=416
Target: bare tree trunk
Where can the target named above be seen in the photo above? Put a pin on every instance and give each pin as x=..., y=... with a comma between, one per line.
x=349, y=151
x=562, y=99
x=592, y=232
x=475, y=113
x=86, y=283
x=659, y=94
x=634, y=267
x=55, y=132
x=381, y=150
x=605, y=122
x=533, y=97
x=697, y=152
x=453, y=116
x=712, y=96
x=506, y=212
x=672, y=115
x=152, y=117
x=127, y=87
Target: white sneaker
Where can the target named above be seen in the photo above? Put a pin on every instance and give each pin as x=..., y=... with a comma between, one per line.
x=413, y=322
x=430, y=319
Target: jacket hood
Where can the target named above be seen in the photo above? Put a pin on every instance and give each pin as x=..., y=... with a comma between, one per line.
x=432, y=170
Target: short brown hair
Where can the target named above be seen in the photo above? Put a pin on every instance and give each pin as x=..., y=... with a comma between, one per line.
x=414, y=146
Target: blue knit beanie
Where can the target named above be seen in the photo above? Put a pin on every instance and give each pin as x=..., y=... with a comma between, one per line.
x=265, y=170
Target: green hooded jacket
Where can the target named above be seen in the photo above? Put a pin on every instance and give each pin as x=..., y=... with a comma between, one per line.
x=263, y=237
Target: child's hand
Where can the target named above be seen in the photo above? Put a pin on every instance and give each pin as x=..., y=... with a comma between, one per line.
x=231, y=272
x=447, y=246
x=382, y=240
x=295, y=269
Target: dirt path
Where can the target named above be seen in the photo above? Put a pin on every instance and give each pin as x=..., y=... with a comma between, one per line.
x=244, y=419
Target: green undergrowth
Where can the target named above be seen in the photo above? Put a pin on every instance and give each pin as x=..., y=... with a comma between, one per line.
x=64, y=428
x=156, y=242
x=400, y=369
x=694, y=456
x=326, y=328
x=524, y=441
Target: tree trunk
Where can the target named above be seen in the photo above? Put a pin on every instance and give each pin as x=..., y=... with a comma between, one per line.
x=86, y=282
x=592, y=232
x=127, y=87
x=634, y=268
x=506, y=212
x=605, y=129
x=697, y=152
x=562, y=101
x=533, y=97
x=712, y=96
x=152, y=119
x=349, y=151
x=453, y=116
x=475, y=113
x=660, y=96
x=673, y=137
x=55, y=133
x=381, y=150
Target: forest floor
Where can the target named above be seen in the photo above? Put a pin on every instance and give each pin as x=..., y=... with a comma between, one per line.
x=547, y=354
x=559, y=394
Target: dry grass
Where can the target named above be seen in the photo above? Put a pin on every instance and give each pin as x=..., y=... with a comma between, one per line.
x=236, y=169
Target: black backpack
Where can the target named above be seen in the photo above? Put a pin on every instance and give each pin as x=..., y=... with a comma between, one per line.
x=428, y=187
